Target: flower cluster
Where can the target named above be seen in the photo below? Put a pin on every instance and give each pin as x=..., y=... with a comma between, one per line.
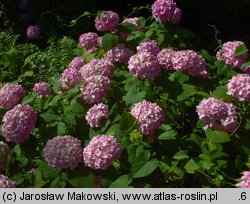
x=144, y=65
x=149, y=117
x=166, y=10
x=10, y=95
x=18, y=123
x=227, y=54
x=165, y=58
x=97, y=67
x=63, y=152
x=189, y=61
x=107, y=21
x=42, y=89
x=33, y=32
x=5, y=182
x=119, y=54
x=95, y=89
x=70, y=78
x=101, y=152
x=77, y=63
x=217, y=114
x=88, y=40
x=245, y=180
x=239, y=87
x=148, y=46
x=4, y=152
x=96, y=114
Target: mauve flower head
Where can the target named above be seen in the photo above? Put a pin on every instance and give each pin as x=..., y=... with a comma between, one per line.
x=149, y=117
x=33, y=32
x=97, y=67
x=119, y=54
x=107, y=21
x=5, y=182
x=245, y=180
x=148, y=46
x=144, y=65
x=4, y=152
x=217, y=114
x=23, y=5
x=77, y=63
x=247, y=70
x=165, y=58
x=165, y=10
x=97, y=114
x=227, y=54
x=189, y=61
x=239, y=87
x=10, y=95
x=70, y=78
x=63, y=152
x=88, y=40
x=42, y=89
x=101, y=152
x=18, y=123
x=95, y=89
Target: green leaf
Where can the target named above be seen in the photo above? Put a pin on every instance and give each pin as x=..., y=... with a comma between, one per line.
x=206, y=55
x=221, y=92
x=109, y=41
x=133, y=96
x=136, y=35
x=217, y=136
x=240, y=50
x=181, y=155
x=188, y=90
x=62, y=128
x=142, y=168
x=168, y=135
x=191, y=166
x=122, y=182
x=126, y=121
x=163, y=167
x=126, y=27
x=28, y=99
x=49, y=116
x=165, y=127
x=244, y=65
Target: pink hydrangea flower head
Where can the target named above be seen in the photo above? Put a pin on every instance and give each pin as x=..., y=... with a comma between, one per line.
x=97, y=67
x=101, y=152
x=165, y=10
x=119, y=54
x=149, y=46
x=165, y=58
x=227, y=54
x=189, y=61
x=176, y=15
x=23, y=5
x=96, y=114
x=77, y=63
x=10, y=95
x=63, y=152
x=149, y=117
x=70, y=78
x=107, y=21
x=144, y=65
x=88, y=40
x=217, y=114
x=245, y=180
x=95, y=89
x=5, y=182
x=4, y=152
x=33, y=32
x=247, y=70
x=42, y=89
x=18, y=123
x=239, y=87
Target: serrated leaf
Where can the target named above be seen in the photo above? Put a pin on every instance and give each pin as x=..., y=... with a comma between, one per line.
x=188, y=90
x=240, y=50
x=109, y=41
x=121, y=182
x=168, y=135
x=221, y=92
x=217, y=136
x=181, y=155
x=136, y=35
x=191, y=166
x=133, y=96
x=126, y=27
x=143, y=169
x=62, y=128
x=49, y=116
